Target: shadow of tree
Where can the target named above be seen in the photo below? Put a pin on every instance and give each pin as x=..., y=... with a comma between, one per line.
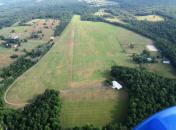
x=120, y=111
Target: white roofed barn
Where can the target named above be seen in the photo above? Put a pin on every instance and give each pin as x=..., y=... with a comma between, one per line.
x=116, y=85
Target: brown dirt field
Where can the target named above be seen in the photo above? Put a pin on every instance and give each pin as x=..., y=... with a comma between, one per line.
x=88, y=93
x=5, y=60
x=48, y=22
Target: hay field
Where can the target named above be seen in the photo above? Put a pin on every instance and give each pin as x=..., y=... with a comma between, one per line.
x=150, y=18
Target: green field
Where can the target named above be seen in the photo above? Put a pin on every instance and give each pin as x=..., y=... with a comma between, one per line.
x=109, y=17
x=24, y=32
x=76, y=65
x=115, y=20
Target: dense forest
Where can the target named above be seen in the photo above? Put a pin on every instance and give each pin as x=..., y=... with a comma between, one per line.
x=42, y=114
x=141, y=7
x=28, y=10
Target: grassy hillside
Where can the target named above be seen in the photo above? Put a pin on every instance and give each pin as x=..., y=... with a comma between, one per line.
x=77, y=65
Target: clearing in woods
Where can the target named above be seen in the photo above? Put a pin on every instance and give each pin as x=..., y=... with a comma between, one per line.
x=115, y=20
x=150, y=18
x=76, y=65
x=109, y=17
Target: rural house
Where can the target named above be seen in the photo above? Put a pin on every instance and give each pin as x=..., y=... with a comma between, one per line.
x=14, y=37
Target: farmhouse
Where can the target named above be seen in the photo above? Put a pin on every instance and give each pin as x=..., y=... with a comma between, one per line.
x=116, y=85
x=14, y=37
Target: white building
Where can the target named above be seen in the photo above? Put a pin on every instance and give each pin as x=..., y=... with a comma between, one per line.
x=52, y=38
x=116, y=85
x=149, y=59
x=166, y=62
x=14, y=37
x=15, y=46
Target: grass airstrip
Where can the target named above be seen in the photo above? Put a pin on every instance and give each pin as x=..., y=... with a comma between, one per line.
x=76, y=65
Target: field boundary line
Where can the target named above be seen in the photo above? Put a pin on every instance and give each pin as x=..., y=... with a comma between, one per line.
x=124, y=50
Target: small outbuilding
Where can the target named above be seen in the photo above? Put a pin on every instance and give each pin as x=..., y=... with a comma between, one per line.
x=14, y=37
x=149, y=59
x=52, y=38
x=15, y=46
x=116, y=85
x=166, y=62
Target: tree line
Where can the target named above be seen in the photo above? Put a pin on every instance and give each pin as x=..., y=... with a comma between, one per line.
x=148, y=94
x=18, y=67
x=42, y=114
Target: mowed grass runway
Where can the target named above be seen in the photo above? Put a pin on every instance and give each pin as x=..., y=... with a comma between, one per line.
x=77, y=65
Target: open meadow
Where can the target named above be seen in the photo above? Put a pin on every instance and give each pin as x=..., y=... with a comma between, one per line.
x=115, y=19
x=77, y=65
x=101, y=12
x=150, y=18
x=108, y=16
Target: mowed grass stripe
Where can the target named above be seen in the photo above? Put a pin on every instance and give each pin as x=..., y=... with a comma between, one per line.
x=87, y=113
x=94, y=53
x=96, y=49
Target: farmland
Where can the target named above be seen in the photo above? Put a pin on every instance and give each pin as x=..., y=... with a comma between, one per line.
x=101, y=12
x=150, y=18
x=77, y=66
x=115, y=20
x=108, y=16
x=24, y=32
